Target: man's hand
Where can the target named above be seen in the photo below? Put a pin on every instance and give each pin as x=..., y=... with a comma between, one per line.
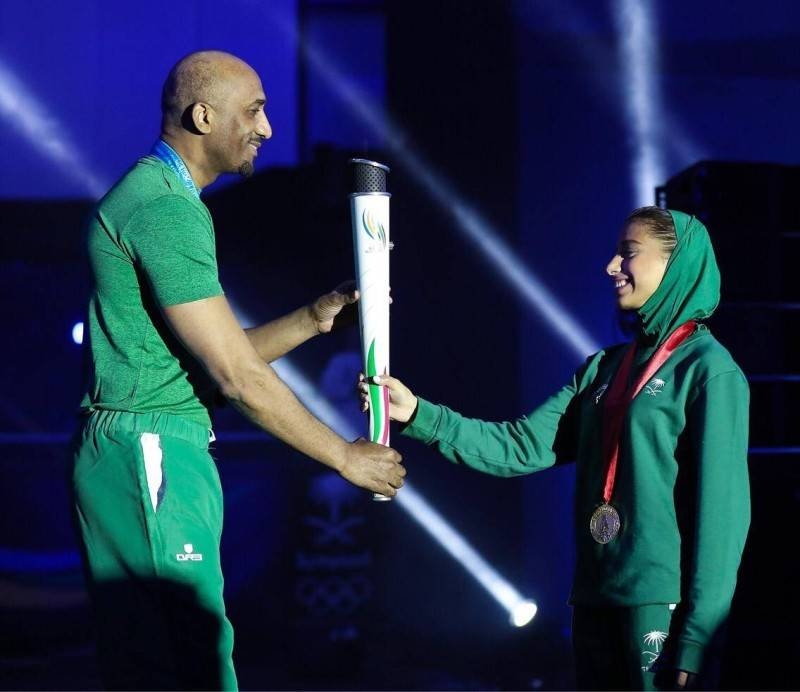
x=373, y=467
x=685, y=681
x=402, y=402
x=283, y=334
x=335, y=309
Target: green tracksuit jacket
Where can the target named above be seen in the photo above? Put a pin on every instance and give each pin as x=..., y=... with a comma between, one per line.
x=682, y=488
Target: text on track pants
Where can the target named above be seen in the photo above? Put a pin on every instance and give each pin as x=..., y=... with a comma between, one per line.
x=148, y=505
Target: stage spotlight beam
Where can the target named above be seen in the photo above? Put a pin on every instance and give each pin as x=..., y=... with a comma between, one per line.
x=520, y=610
x=466, y=218
x=20, y=108
x=638, y=57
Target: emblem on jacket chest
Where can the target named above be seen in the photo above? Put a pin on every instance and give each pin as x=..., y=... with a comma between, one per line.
x=598, y=393
x=654, y=387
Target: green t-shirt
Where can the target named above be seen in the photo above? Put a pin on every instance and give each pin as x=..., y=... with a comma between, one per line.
x=150, y=245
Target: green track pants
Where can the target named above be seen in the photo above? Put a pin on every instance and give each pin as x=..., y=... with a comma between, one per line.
x=148, y=505
x=616, y=648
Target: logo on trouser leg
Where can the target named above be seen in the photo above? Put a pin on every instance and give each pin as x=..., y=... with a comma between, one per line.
x=189, y=554
x=654, y=639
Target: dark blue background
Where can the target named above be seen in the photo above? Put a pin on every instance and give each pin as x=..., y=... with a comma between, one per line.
x=518, y=111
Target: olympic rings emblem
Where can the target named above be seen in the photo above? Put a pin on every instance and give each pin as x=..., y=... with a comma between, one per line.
x=333, y=595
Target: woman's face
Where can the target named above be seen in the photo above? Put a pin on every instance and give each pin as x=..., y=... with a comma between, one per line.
x=637, y=267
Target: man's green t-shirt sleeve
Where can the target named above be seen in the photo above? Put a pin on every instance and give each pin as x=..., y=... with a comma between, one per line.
x=171, y=240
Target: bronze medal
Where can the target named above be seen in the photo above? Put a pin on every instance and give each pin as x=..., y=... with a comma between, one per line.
x=604, y=524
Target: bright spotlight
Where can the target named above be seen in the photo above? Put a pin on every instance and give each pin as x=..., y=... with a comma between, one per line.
x=417, y=507
x=523, y=613
x=455, y=544
x=77, y=333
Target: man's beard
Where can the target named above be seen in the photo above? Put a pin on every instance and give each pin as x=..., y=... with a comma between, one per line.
x=246, y=169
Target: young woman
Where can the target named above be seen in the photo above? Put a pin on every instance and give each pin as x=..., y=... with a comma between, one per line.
x=658, y=430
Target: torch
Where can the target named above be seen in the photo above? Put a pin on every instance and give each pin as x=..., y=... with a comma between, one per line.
x=369, y=214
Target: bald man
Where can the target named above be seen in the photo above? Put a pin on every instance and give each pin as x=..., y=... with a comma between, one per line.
x=162, y=343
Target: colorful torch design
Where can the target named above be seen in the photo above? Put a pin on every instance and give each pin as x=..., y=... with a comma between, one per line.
x=369, y=213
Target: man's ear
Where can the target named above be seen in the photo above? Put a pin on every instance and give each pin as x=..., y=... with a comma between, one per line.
x=202, y=117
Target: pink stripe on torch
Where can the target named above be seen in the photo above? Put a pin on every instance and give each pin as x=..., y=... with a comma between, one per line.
x=385, y=432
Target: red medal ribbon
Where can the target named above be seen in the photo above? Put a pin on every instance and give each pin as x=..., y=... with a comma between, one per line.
x=619, y=398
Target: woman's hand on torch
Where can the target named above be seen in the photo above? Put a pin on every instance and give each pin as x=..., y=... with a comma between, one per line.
x=402, y=402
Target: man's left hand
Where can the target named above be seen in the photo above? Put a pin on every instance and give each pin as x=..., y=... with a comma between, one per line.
x=335, y=309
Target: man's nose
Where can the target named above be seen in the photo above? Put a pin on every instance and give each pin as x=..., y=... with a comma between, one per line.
x=264, y=129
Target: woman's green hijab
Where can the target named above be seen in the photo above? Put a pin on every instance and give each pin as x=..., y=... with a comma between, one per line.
x=690, y=287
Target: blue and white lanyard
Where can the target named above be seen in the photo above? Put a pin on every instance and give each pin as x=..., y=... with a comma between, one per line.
x=164, y=152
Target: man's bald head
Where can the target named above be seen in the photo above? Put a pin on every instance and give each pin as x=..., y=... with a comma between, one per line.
x=213, y=114
x=199, y=77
